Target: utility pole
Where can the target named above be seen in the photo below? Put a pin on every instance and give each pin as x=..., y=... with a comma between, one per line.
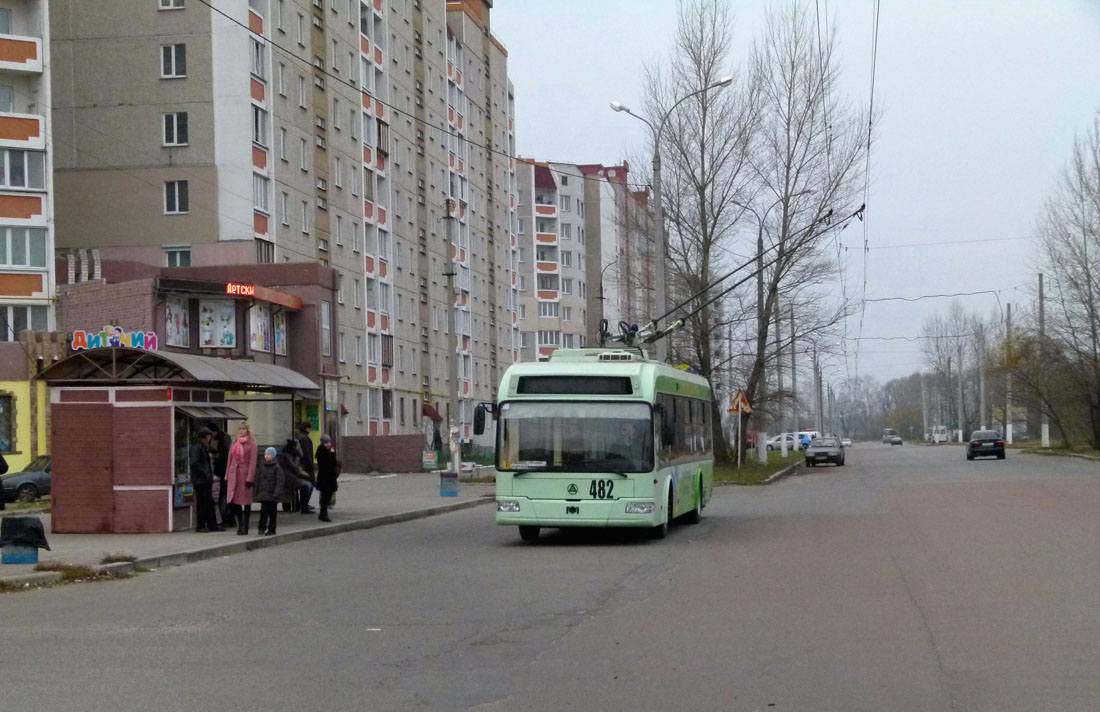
x=454, y=424
x=659, y=243
x=781, y=422
x=924, y=401
x=1008, y=374
x=762, y=387
x=981, y=376
x=960, y=420
x=1044, y=426
x=945, y=403
x=794, y=378
x=818, y=425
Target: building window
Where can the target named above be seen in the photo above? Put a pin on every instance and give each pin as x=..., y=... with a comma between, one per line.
x=358, y=350
x=171, y=4
x=173, y=61
x=567, y=286
x=356, y=295
x=280, y=9
x=259, y=126
x=374, y=349
x=7, y=98
x=282, y=143
x=22, y=247
x=566, y=231
x=549, y=338
x=177, y=256
x=300, y=33
x=305, y=216
x=22, y=169
x=284, y=208
x=326, y=329
x=175, y=129
x=303, y=154
x=175, y=197
x=522, y=311
x=548, y=309
x=280, y=79
x=565, y=203
x=302, y=89
x=339, y=230
x=7, y=420
x=265, y=252
x=338, y=173
x=567, y=313
x=260, y=186
x=259, y=58
x=356, y=241
x=566, y=259
x=17, y=318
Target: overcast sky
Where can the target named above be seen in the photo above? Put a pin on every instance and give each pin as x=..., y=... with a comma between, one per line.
x=981, y=100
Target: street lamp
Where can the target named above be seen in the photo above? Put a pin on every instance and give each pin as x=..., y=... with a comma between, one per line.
x=658, y=211
x=601, y=298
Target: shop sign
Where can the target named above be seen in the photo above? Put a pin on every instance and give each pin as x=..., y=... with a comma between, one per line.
x=114, y=336
x=244, y=290
x=429, y=459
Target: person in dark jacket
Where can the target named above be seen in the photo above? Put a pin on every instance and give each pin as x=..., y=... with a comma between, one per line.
x=290, y=459
x=305, y=446
x=202, y=480
x=328, y=469
x=3, y=471
x=268, y=489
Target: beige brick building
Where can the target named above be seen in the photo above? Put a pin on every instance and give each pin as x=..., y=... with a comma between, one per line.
x=335, y=131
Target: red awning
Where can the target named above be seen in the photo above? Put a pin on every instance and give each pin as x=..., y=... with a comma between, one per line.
x=428, y=410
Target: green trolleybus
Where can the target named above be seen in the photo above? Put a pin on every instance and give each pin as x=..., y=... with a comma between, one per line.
x=601, y=438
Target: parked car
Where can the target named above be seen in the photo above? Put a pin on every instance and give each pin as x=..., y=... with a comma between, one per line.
x=985, y=443
x=892, y=439
x=28, y=484
x=887, y=434
x=846, y=442
x=776, y=442
x=824, y=450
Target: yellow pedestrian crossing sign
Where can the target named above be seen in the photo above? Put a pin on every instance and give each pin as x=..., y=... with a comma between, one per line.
x=740, y=403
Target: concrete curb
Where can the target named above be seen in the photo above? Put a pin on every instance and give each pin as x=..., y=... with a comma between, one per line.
x=1057, y=453
x=251, y=543
x=782, y=474
x=22, y=512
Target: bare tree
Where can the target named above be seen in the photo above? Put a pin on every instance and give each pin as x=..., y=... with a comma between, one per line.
x=705, y=145
x=807, y=163
x=1069, y=255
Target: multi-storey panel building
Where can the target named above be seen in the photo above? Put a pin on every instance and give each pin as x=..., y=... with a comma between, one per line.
x=583, y=254
x=26, y=156
x=337, y=131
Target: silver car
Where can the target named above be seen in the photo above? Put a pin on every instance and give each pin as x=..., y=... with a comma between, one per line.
x=822, y=450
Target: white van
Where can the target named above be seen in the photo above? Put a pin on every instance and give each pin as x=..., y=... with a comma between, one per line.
x=940, y=434
x=805, y=437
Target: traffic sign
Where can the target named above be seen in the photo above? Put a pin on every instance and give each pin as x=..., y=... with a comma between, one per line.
x=740, y=403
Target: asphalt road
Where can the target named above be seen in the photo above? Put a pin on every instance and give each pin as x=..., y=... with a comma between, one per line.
x=909, y=579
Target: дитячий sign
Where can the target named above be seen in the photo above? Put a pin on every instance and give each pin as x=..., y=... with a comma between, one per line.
x=114, y=336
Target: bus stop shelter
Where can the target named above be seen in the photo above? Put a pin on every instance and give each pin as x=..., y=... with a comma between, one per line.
x=122, y=420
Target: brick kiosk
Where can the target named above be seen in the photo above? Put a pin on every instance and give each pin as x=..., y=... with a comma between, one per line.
x=122, y=423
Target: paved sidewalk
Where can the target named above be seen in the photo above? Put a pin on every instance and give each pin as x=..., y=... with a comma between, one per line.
x=363, y=502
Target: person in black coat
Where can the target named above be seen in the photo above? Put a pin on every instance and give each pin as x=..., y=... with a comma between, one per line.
x=219, y=446
x=268, y=491
x=328, y=469
x=201, y=467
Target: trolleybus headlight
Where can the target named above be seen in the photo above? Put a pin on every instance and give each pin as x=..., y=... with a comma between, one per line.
x=639, y=507
x=507, y=505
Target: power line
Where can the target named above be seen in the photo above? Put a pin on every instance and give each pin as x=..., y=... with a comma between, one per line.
x=954, y=242
x=867, y=169
x=937, y=296
x=911, y=338
x=340, y=80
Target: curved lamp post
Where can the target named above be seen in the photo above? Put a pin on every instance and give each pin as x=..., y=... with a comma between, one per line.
x=658, y=211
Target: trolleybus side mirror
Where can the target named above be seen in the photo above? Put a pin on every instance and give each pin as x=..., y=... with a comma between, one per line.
x=479, y=419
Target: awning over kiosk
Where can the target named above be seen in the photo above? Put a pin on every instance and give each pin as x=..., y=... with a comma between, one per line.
x=124, y=366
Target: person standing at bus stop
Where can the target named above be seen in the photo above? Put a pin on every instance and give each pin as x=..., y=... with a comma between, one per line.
x=305, y=444
x=240, y=473
x=201, y=469
x=327, y=471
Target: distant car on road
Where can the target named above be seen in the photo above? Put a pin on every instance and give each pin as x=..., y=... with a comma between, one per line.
x=846, y=442
x=28, y=484
x=985, y=443
x=824, y=450
x=887, y=434
x=776, y=442
x=894, y=439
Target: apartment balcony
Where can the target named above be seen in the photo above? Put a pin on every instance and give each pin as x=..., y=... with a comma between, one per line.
x=546, y=238
x=546, y=211
x=22, y=131
x=23, y=209
x=547, y=267
x=20, y=55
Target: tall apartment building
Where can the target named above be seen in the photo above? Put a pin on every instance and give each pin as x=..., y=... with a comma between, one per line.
x=584, y=254
x=26, y=155
x=252, y=131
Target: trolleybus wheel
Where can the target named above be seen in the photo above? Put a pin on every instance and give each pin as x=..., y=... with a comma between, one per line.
x=661, y=530
x=528, y=532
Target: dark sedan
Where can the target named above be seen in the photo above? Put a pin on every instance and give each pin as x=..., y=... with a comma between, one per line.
x=985, y=443
x=30, y=483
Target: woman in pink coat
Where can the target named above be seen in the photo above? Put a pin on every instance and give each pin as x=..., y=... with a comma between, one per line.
x=240, y=473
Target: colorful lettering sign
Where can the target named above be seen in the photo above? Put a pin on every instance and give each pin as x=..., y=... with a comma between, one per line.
x=244, y=290
x=114, y=336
